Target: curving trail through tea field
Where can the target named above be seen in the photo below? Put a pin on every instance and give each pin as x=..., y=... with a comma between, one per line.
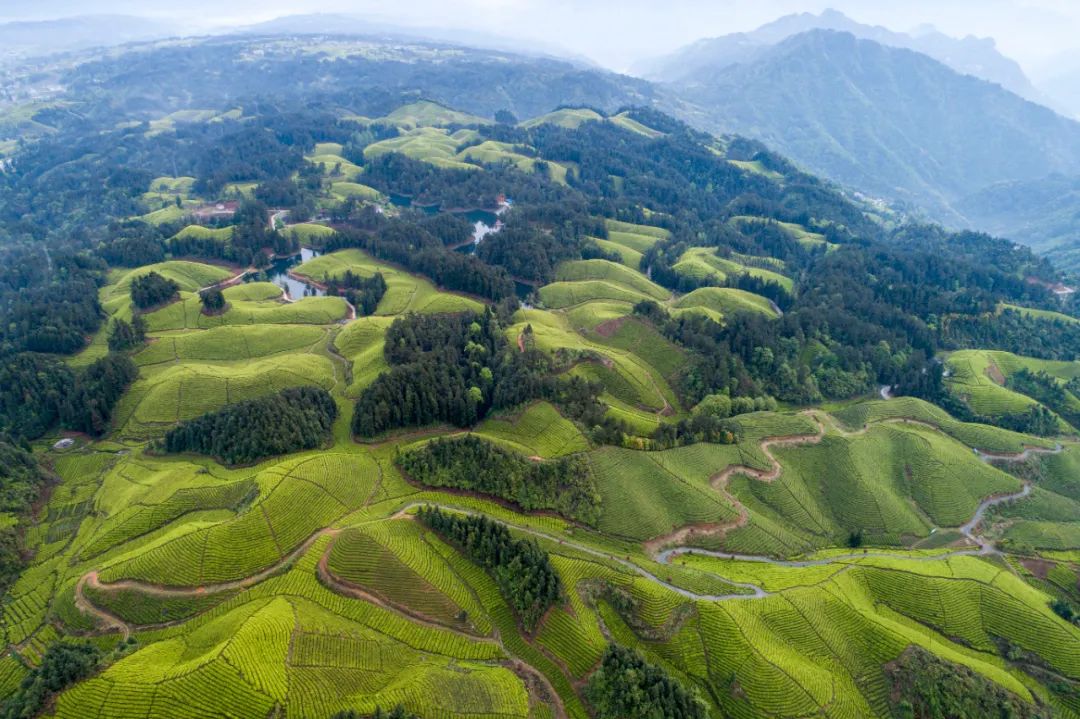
x=661, y=549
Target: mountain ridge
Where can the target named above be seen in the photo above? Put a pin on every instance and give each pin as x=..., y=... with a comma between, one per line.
x=969, y=55
x=889, y=121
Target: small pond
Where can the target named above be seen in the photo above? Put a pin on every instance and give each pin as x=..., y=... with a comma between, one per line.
x=278, y=273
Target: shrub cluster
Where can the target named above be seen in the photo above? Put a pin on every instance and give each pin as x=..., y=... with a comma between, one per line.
x=444, y=368
x=626, y=686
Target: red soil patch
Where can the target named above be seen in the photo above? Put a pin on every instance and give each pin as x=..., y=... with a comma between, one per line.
x=609, y=327
x=994, y=373
x=1038, y=567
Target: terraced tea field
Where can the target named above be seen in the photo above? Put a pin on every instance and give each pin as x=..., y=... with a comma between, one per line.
x=774, y=575
x=703, y=263
x=405, y=292
x=302, y=585
x=716, y=302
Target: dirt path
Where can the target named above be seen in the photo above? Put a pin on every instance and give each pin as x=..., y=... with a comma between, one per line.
x=156, y=590
x=720, y=482
x=586, y=549
x=348, y=589
x=90, y=609
x=655, y=547
x=279, y=215
x=235, y=279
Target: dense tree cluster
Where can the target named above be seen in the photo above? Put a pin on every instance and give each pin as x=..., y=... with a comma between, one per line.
x=291, y=420
x=470, y=463
x=37, y=391
x=212, y=300
x=89, y=404
x=411, y=246
x=137, y=246
x=1065, y=610
x=152, y=289
x=21, y=479
x=927, y=686
x=443, y=368
x=522, y=570
x=626, y=686
x=1045, y=388
x=362, y=293
x=124, y=335
x=61, y=665
x=1013, y=331
x=252, y=242
x=48, y=299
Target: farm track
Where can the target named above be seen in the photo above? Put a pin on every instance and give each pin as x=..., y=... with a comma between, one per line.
x=348, y=589
x=654, y=548
x=157, y=590
x=720, y=481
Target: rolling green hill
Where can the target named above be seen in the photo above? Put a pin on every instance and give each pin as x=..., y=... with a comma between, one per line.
x=731, y=491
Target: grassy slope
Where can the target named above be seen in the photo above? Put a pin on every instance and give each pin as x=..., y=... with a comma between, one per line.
x=703, y=262
x=405, y=292
x=395, y=632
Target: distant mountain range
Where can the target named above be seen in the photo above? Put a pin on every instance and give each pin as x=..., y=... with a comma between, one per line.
x=42, y=37
x=339, y=24
x=77, y=33
x=895, y=122
x=884, y=120
x=939, y=126
x=974, y=56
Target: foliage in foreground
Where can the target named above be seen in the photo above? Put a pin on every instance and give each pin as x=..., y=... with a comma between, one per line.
x=522, y=570
x=932, y=688
x=628, y=687
x=294, y=419
x=61, y=666
x=470, y=463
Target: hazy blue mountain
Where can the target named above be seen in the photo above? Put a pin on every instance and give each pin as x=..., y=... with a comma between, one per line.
x=76, y=33
x=970, y=55
x=374, y=76
x=1059, y=78
x=340, y=24
x=887, y=121
x=1043, y=213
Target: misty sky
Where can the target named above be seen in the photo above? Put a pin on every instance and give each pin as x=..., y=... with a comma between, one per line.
x=616, y=32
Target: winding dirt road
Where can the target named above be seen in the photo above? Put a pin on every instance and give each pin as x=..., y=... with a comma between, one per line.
x=664, y=556
x=654, y=548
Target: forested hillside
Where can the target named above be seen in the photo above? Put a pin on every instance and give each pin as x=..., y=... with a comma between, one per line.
x=888, y=121
x=367, y=403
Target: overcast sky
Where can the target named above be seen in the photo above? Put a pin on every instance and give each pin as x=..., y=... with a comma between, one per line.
x=615, y=32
